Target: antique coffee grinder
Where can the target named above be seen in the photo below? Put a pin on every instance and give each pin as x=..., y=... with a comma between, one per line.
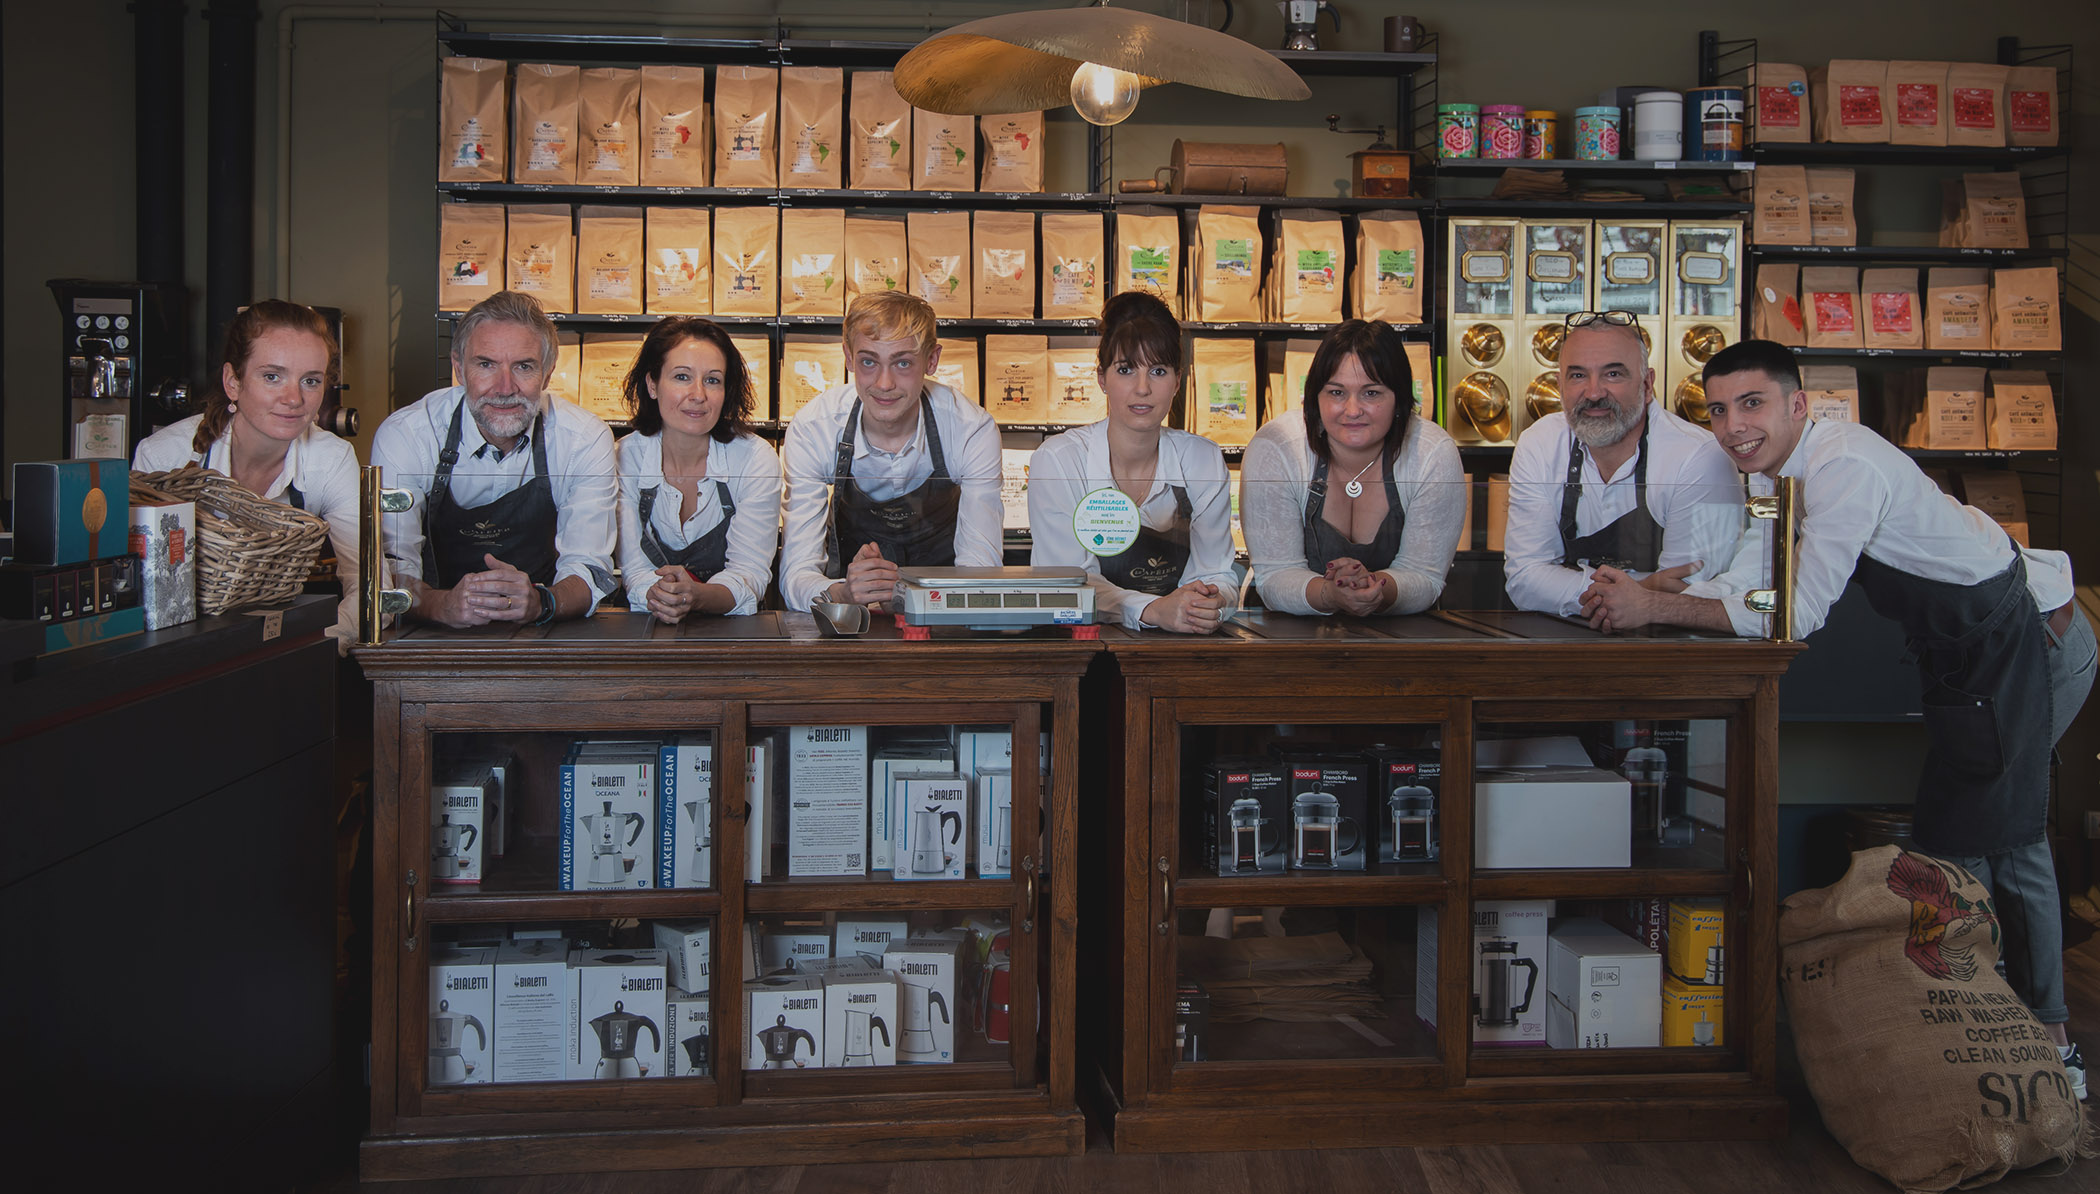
x=616, y=1041
x=447, y=1067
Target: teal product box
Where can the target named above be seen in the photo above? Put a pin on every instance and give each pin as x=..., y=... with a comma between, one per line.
x=96, y=628
x=71, y=511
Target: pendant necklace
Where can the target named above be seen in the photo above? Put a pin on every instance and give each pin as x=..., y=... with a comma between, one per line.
x=1355, y=487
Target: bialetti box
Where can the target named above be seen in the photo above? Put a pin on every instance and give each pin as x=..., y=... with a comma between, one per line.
x=828, y=800
x=932, y=816
x=860, y=1012
x=890, y=760
x=1606, y=988
x=928, y=969
x=1406, y=786
x=784, y=1022
x=460, y=804
x=685, y=812
x=995, y=823
x=1507, y=964
x=608, y=817
x=790, y=948
x=1329, y=829
x=534, y=992
x=690, y=1049
x=688, y=952
x=620, y=996
x=462, y=1015
x=758, y=823
x=1246, y=816
x=866, y=938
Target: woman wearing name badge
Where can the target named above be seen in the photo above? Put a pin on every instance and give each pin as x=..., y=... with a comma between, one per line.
x=280, y=361
x=1145, y=509
x=699, y=495
x=1355, y=507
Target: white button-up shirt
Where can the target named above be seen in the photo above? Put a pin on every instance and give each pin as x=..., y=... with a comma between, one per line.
x=1069, y=466
x=750, y=468
x=969, y=443
x=1694, y=493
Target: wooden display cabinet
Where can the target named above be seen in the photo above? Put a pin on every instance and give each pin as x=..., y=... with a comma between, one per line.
x=530, y=692
x=1369, y=1069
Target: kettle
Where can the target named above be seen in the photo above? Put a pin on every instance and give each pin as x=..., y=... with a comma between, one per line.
x=928, y=855
x=1301, y=22
x=447, y=1067
x=616, y=1041
x=861, y=1029
x=779, y=1044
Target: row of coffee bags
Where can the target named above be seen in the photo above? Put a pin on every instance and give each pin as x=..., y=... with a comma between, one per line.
x=1864, y=101
x=1943, y=407
x=1210, y=266
x=1842, y=306
x=1811, y=205
x=770, y=127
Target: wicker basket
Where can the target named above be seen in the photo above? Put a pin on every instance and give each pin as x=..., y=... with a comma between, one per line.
x=249, y=551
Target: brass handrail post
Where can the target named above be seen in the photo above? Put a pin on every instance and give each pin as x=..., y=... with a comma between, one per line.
x=376, y=602
x=1784, y=509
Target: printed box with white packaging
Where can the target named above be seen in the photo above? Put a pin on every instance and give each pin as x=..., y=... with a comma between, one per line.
x=828, y=800
x=866, y=938
x=1605, y=986
x=995, y=823
x=1691, y=1013
x=928, y=969
x=691, y=1048
x=758, y=824
x=1695, y=940
x=688, y=952
x=1551, y=817
x=620, y=1013
x=685, y=812
x=932, y=816
x=889, y=761
x=860, y=1012
x=791, y=948
x=460, y=803
x=1507, y=980
x=462, y=1015
x=608, y=816
x=784, y=1022
x=164, y=538
x=534, y=992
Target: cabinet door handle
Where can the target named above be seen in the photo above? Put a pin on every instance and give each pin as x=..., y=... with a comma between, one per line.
x=1028, y=896
x=1166, y=903
x=408, y=915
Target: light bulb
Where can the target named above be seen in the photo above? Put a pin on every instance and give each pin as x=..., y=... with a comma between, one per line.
x=1103, y=94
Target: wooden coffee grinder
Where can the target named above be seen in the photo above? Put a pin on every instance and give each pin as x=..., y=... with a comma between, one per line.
x=1379, y=172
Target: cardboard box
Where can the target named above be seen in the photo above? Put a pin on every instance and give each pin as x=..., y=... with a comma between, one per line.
x=1695, y=941
x=828, y=800
x=1605, y=986
x=58, y=593
x=462, y=1015
x=758, y=824
x=1560, y=816
x=460, y=805
x=608, y=817
x=685, y=812
x=1405, y=789
x=889, y=761
x=789, y=949
x=1325, y=834
x=1507, y=978
x=1691, y=1013
x=71, y=511
x=164, y=538
x=1191, y=1021
x=932, y=816
x=688, y=952
x=620, y=1001
x=534, y=992
x=784, y=1022
x=1246, y=816
x=860, y=1013
x=995, y=823
x=928, y=967
x=691, y=1035
x=868, y=938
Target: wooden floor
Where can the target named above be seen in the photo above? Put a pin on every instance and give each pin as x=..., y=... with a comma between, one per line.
x=1808, y=1160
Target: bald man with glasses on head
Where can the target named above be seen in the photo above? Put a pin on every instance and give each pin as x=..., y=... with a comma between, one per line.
x=1613, y=481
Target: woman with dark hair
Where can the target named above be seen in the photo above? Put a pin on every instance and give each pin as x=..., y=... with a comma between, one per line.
x=1356, y=508
x=258, y=428
x=699, y=495
x=1157, y=504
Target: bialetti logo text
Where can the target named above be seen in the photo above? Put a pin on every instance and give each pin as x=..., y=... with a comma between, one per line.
x=530, y=980
x=641, y=984
x=1305, y=773
x=609, y=781
x=927, y=968
x=466, y=982
x=815, y=949
x=462, y=801
x=799, y=1005
x=871, y=936
x=855, y=998
x=830, y=734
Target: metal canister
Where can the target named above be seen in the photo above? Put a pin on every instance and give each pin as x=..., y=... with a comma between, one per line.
x=1502, y=131
x=1541, y=135
x=1597, y=134
x=1458, y=130
x=1713, y=124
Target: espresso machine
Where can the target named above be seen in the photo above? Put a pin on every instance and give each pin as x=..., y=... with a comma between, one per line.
x=616, y=1041
x=779, y=1045
x=1317, y=832
x=1492, y=1006
x=447, y=1067
x=125, y=360
x=932, y=831
x=916, y=1043
x=861, y=1030
x=446, y=843
x=609, y=863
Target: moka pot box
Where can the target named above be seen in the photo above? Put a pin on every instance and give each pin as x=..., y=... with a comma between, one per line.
x=860, y=1013
x=688, y=952
x=620, y=999
x=889, y=761
x=932, y=816
x=995, y=828
x=689, y=1040
x=608, y=819
x=535, y=991
x=462, y=1015
x=685, y=811
x=460, y=805
x=828, y=800
x=866, y=938
x=928, y=969
x=789, y=1007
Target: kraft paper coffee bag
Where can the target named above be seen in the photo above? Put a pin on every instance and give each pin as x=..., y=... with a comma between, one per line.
x=876, y=249
x=1833, y=392
x=1013, y=152
x=1777, y=314
x=1148, y=253
x=610, y=265
x=541, y=257
x=680, y=253
x=1830, y=297
x=813, y=261
x=1227, y=273
x=1848, y=101
x=812, y=125
x=472, y=131
x=939, y=245
x=1074, y=254
x=567, y=379
x=2000, y=495
x=746, y=141
x=2024, y=311
x=606, y=360
x=1074, y=397
x=879, y=134
x=674, y=127
x=1830, y=219
x=747, y=261
x=1954, y=407
x=1778, y=107
x=944, y=151
x=1388, y=277
x=810, y=364
x=543, y=124
x=609, y=123
x=1297, y=366
x=2022, y=411
x=470, y=253
x=1975, y=104
x=1002, y=252
x=1221, y=389
x=1958, y=308
x=757, y=351
x=2030, y=105
x=1994, y=211
x=1780, y=211
x=959, y=368
x=1311, y=253
x=1016, y=377
x=1917, y=94
x=1889, y=313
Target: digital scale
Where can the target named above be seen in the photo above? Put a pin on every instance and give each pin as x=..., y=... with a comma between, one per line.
x=994, y=598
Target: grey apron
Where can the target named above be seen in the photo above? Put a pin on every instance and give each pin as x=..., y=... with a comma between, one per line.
x=1632, y=542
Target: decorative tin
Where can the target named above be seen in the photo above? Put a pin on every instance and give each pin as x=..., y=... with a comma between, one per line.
x=1502, y=131
x=1541, y=135
x=1458, y=130
x=1597, y=134
x=1713, y=124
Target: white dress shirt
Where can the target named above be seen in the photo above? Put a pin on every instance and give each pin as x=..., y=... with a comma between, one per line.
x=1695, y=494
x=1861, y=495
x=1274, y=477
x=751, y=469
x=1071, y=465
x=969, y=443
x=322, y=467
x=580, y=472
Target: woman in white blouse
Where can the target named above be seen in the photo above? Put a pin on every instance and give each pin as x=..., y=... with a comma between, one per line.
x=699, y=495
x=258, y=429
x=1171, y=568
x=1356, y=507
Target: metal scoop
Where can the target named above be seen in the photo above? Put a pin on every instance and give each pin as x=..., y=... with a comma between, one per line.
x=837, y=619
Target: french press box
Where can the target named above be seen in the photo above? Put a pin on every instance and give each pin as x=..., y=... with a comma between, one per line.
x=1246, y=814
x=1329, y=802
